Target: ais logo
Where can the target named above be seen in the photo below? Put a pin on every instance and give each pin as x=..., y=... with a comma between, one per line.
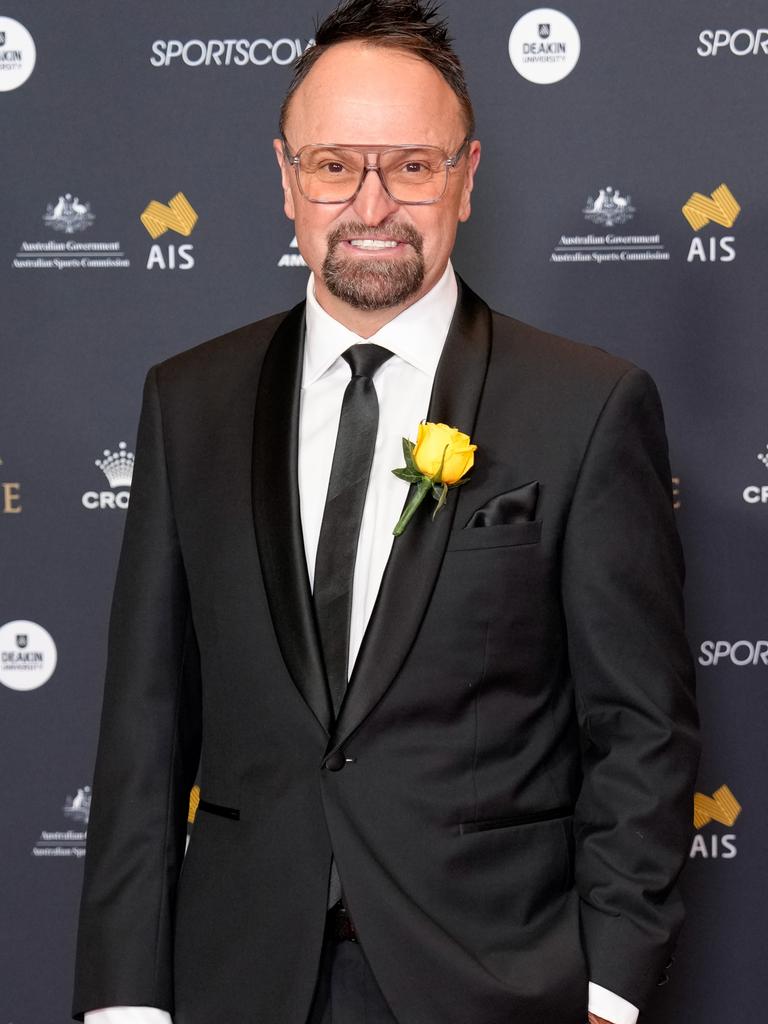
x=722, y=807
x=194, y=803
x=176, y=215
x=718, y=208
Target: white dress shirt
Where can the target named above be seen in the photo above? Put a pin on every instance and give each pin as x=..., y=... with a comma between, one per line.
x=403, y=386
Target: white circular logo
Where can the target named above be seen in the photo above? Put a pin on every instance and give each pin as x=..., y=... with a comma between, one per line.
x=544, y=46
x=27, y=655
x=17, y=54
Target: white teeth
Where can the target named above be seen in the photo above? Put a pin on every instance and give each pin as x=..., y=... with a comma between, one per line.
x=371, y=243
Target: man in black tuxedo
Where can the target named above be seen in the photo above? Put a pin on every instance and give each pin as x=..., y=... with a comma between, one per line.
x=446, y=777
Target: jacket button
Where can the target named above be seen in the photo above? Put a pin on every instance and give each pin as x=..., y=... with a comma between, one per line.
x=336, y=761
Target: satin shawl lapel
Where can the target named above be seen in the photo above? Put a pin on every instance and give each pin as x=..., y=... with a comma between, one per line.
x=417, y=554
x=277, y=515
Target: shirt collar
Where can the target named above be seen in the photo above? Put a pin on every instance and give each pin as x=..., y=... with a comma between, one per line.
x=416, y=335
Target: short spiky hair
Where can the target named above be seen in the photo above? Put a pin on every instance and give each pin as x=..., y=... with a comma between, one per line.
x=409, y=25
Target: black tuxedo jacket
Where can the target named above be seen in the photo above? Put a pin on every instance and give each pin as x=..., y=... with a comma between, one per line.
x=507, y=788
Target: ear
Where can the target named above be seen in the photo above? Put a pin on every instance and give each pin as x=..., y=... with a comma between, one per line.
x=285, y=178
x=472, y=160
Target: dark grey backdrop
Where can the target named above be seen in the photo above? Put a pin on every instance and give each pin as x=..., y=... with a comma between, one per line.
x=642, y=112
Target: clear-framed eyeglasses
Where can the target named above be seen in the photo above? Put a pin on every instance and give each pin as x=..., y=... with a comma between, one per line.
x=412, y=175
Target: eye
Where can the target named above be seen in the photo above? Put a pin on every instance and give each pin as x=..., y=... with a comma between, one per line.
x=415, y=167
x=333, y=167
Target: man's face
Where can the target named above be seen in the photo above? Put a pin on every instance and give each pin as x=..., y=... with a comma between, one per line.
x=364, y=95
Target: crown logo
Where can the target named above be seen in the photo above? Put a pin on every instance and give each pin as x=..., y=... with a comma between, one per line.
x=117, y=466
x=763, y=456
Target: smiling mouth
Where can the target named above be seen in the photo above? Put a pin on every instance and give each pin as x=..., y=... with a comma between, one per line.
x=372, y=244
x=386, y=241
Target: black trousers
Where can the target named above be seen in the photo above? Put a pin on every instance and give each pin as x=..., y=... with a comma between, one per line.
x=346, y=990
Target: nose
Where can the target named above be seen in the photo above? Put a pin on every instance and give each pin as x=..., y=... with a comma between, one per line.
x=372, y=204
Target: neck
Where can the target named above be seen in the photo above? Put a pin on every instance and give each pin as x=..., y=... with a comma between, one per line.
x=366, y=322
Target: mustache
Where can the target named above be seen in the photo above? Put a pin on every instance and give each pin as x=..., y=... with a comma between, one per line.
x=393, y=232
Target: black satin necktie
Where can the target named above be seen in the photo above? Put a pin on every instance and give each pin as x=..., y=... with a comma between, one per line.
x=340, y=529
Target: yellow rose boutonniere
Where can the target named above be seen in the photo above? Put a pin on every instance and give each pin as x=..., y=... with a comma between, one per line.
x=439, y=459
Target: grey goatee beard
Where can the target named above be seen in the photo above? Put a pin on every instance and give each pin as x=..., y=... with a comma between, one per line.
x=366, y=282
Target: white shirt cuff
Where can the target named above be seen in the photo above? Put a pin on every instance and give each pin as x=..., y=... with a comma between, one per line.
x=607, y=1004
x=128, y=1015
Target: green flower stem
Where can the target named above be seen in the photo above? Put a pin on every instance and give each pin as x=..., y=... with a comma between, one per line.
x=422, y=490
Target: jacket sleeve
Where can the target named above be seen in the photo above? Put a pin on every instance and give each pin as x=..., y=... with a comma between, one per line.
x=148, y=751
x=634, y=689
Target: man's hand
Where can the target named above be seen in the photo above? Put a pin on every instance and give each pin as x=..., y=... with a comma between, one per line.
x=594, y=1019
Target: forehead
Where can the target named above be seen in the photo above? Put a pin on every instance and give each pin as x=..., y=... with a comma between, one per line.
x=373, y=94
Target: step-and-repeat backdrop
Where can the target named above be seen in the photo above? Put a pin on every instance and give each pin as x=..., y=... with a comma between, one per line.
x=622, y=200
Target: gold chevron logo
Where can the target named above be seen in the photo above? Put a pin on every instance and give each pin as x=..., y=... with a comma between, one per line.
x=722, y=807
x=177, y=215
x=720, y=208
x=194, y=800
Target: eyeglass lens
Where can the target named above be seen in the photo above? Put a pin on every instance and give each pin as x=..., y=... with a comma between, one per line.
x=410, y=175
